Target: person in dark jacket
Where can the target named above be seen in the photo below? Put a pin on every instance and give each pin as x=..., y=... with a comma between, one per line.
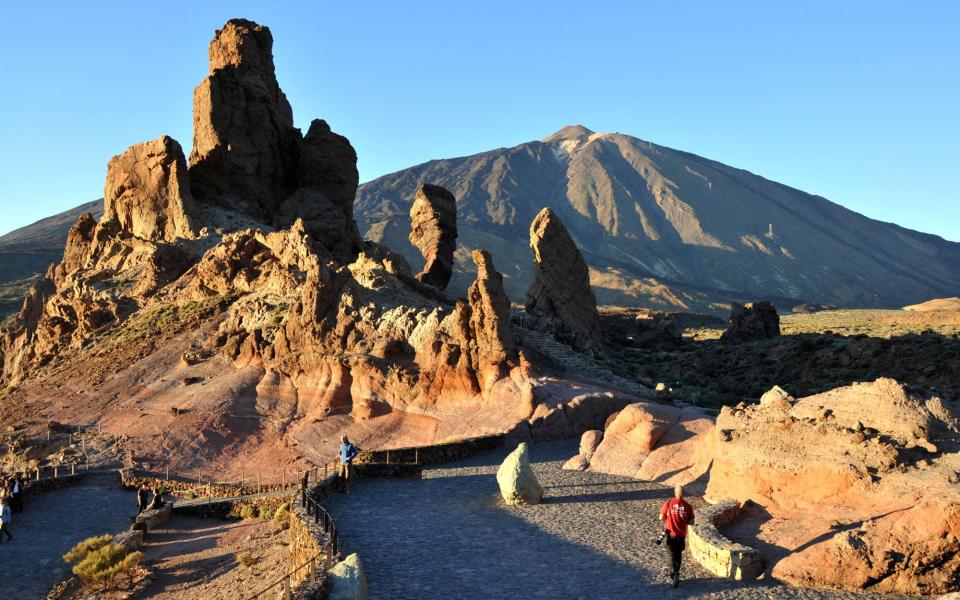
x=347, y=453
x=143, y=498
x=676, y=514
x=16, y=492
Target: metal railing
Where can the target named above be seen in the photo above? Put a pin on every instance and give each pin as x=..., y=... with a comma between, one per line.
x=322, y=560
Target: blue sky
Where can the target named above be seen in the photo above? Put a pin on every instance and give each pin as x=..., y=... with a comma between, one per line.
x=855, y=101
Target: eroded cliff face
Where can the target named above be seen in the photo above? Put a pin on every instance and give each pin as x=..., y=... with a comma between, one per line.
x=256, y=241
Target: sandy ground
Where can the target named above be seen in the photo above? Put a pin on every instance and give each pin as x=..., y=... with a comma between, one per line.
x=193, y=558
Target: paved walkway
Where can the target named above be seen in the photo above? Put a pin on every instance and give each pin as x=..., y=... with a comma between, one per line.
x=51, y=524
x=450, y=536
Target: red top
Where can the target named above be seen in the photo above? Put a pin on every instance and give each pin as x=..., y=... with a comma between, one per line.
x=676, y=515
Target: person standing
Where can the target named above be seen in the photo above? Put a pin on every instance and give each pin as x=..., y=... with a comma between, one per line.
x=16, y=492
x=347, y=453
x=5, y=517
x=143, y=497
x=676, y=514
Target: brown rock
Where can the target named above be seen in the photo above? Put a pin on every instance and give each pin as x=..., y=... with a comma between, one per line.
x=245, y=148
x=433, y=231
x=631, y=437
x=560, y=293
x=494, y=349
x=327, y=176
x=148, y=191
x=750, y=322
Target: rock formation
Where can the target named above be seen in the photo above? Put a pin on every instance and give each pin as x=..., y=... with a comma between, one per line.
x=854, y=471
x=518, y=483
x=245, y=147
x=588, y=446
x=560, y=292
x=433, y=223
x=148, y=191
x=494, y=349
x=750, y=322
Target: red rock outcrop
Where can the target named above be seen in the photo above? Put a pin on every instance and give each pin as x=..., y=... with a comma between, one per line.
x=433, y=231
x=245, y=148
x=750, y=322
x=560, y=294
x=859, y=498
x=494, y=351
x=148, y=191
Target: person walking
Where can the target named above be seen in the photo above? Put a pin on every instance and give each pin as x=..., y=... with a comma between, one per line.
x=676, y=514
x=347, y=453
x=5, y=517
x=143, y=497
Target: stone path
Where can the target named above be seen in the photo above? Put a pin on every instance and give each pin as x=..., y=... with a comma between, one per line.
x=450, y=536
x=51, y=524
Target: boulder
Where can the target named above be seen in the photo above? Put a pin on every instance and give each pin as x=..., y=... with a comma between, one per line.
x=517, y=481
x=560, y=294
x=751, y=322
x=433, y=231
x=588, y=445
x=777, y=398
x=148, y=191
x=347, y=580
x=631, y=437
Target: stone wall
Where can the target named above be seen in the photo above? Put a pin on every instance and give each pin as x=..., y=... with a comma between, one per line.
x=182, y=488
x=716, y=553
x=434, y=454
x=33, y=487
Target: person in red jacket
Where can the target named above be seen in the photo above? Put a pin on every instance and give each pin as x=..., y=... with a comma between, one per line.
x=676, y=514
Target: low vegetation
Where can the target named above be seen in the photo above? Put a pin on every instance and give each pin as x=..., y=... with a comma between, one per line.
x=97, y=561
x=166, y=318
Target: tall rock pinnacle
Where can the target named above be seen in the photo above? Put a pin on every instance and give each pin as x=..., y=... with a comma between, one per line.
x=433, y=231
x=560, y=292
x=245, y=148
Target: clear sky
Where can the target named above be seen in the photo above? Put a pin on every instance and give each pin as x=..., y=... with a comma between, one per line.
x=855, y=101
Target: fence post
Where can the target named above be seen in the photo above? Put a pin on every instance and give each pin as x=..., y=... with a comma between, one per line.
x=168, y=472
x=56, y=471
x=388, y=457
x=73, y=469
x=258, y=483
x=416, y=456
x=313, y=570
x=285, y=592
x=38, y=473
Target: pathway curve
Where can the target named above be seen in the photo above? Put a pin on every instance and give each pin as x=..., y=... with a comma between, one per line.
x=450, y=536
x=51, y=523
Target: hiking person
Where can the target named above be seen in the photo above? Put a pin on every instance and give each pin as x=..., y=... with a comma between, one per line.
x=5, y=517
x=347, y=453
x=143, y=496
x=676, y=514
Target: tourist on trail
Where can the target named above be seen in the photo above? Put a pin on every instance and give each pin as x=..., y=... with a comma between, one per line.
x=143, y=497
x=347, y=453
x=5, y=520
x=676, y=514
x=157, y=501
x=16, y=492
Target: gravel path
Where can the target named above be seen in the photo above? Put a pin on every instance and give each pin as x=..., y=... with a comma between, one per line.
x=450, y=536
x=51, y=524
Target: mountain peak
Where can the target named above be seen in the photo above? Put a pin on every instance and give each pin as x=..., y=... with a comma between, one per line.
x=570, y=132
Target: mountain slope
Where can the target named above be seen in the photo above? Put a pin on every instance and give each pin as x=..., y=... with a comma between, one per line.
x=662, y=227
x=28, y=251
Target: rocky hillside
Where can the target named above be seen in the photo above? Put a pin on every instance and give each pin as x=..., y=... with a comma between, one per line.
x=665, y=228
x=25, y=253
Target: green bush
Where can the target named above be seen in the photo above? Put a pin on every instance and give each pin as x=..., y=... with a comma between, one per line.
x=81, y=550
x=281, y=517
x=98, y=561
x=248, y=511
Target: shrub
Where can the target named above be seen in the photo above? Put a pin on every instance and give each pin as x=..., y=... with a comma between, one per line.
x=81, y=550
x=98, y=561
x=281, y=517
x=248, y=511
x=246, y=559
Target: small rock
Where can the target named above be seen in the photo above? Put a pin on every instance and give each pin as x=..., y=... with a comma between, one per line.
x=517, y=481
